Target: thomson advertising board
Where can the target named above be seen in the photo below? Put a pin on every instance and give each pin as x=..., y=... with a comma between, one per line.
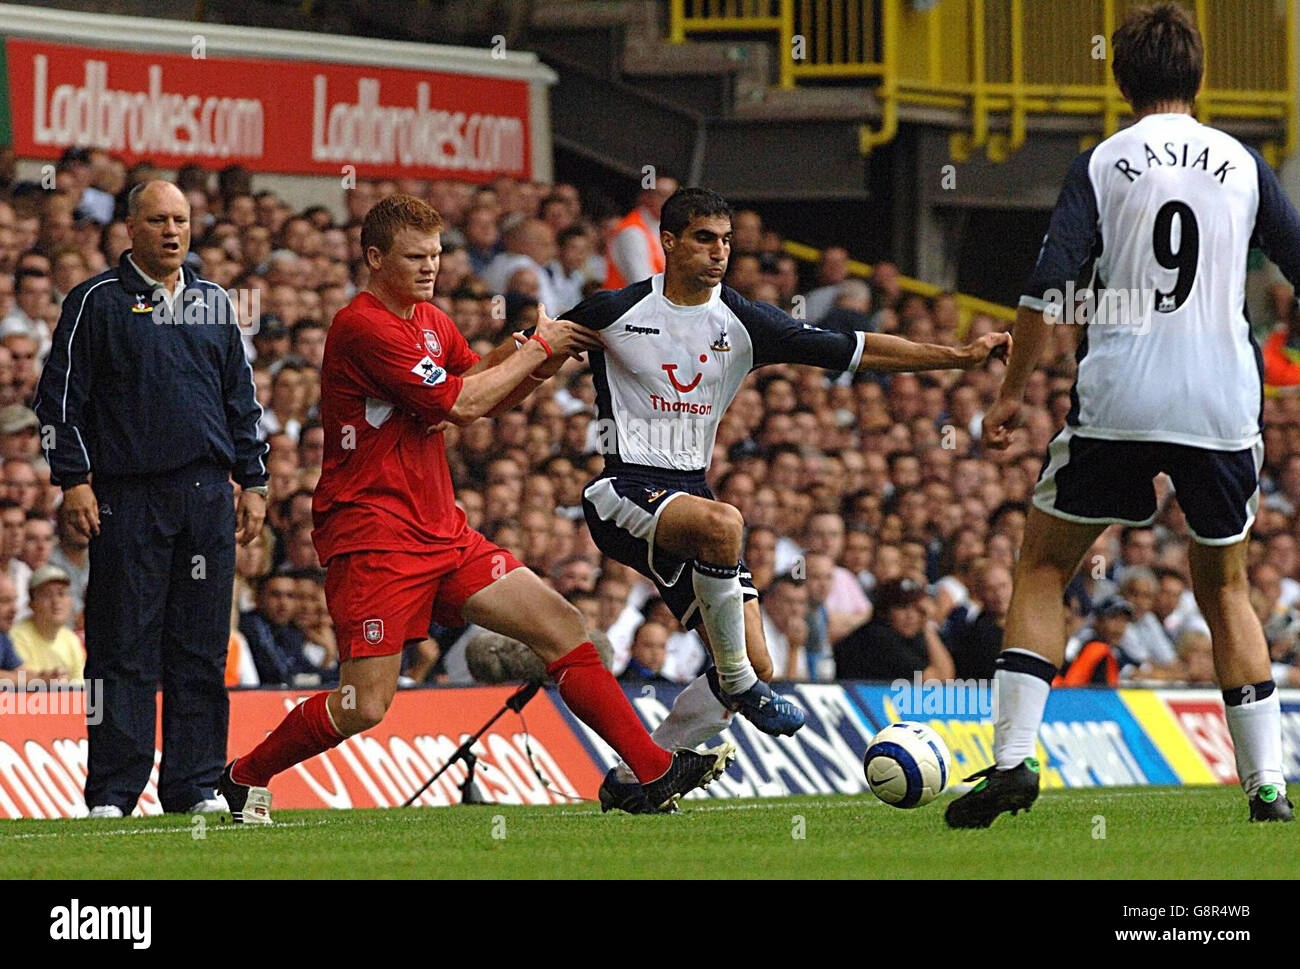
x=1089, y=738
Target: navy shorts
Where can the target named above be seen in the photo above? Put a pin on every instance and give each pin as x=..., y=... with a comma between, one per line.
x=1110, y=482
x=622, y=508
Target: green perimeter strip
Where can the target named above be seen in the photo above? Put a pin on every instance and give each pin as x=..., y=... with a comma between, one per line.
x=6, y=122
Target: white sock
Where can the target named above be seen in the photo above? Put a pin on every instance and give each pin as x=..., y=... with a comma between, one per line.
x=1022, y=683
x=1256, y=728
x=695, y=717
x=722, y=606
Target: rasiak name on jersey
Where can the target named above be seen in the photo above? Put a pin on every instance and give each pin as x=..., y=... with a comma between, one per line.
x=1170, y=155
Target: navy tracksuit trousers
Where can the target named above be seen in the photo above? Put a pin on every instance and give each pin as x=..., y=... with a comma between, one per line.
x=158, y=615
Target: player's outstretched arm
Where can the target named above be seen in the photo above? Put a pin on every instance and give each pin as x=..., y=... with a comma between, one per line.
x=1004, y=416
x=498, y=355
x=491, y=390
x=885, y=353
x=535, y=379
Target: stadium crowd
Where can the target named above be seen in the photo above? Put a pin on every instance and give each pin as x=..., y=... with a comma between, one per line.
x=880, y=534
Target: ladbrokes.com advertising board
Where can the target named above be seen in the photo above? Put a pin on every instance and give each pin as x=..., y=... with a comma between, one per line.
x=290, y=116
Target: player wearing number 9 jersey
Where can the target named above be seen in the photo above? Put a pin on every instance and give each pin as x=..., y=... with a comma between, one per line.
x=1155, y=223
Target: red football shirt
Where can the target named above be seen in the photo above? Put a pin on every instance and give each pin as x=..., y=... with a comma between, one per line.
x=384, y=483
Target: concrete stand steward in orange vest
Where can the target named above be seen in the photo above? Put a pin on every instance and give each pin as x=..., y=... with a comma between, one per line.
x=654, y=250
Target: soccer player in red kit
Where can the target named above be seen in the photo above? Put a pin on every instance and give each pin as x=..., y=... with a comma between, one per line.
x=397, y=549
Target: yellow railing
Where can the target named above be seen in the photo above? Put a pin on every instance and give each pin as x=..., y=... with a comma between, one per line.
x=1004, y=60
x=966, y=305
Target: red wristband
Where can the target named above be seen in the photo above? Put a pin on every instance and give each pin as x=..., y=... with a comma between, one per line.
x=545, y=346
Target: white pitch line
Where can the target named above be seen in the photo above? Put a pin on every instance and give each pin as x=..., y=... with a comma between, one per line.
x=713, y=804
x=179, y=829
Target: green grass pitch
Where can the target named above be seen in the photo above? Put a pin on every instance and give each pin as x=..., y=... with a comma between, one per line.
x=1148, y=833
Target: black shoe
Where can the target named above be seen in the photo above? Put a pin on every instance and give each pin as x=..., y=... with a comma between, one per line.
x=1270, y=804
x=998, y=790
x=690, y=769
x=248, y=804
x=616, y=795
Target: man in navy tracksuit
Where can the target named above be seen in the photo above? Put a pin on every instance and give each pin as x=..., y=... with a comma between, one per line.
x=147, y=397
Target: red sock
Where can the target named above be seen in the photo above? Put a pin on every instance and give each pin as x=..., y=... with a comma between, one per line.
x=304, y=732
x=595, y=698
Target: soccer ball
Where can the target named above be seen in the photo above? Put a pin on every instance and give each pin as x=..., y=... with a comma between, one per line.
x=907, y=765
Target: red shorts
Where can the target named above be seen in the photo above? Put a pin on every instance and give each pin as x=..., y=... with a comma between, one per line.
x=381, y=600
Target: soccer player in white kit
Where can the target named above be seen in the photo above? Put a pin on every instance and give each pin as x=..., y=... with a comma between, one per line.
x=1156, y=221
x=675, y=349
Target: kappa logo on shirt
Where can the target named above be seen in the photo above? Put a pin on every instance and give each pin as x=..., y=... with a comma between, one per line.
x=430, y=373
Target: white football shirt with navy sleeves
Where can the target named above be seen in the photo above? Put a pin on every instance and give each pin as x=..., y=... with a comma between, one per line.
x=1157, y=221
x=666, y=373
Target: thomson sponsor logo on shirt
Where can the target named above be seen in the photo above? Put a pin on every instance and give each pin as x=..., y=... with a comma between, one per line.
x=679, y=406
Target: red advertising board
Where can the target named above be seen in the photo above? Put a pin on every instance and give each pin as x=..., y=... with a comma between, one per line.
x=1203, y=722
x=43, y=755
x=298, y=117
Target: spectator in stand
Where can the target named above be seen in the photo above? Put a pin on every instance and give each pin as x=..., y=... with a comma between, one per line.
x=847, y=606
x=573, y=574
x=11, y=664
x=784, y=608
x=1197, y=659
x=649, y=650
x=1146, y=642
x=1137, y=546
x=44, y=640
x=307, y=342
x=33, y=304
x=974, y=635
x=482, y=237
x=273, y=637
x=70, y=269
x=19, y=433
x=38, y=542
x=13, y=523
x=887, y=291
x=851, y=309
x=20, y=483
x=72, y=555
x=530, y=245
x=1173, y=605
x=568, y=271
x=1096, y=658
x=832, y=271
x=820, y=573
x=898, y=642
x=1281, y=353
x=635, y=252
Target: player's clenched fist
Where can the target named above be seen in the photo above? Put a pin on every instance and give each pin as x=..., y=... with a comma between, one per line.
x=563, y=337
x=999, y=421
x=989, y=345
